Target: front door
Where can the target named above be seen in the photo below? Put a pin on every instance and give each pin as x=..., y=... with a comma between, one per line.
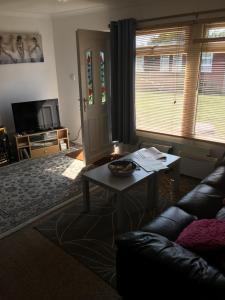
x=93, y=62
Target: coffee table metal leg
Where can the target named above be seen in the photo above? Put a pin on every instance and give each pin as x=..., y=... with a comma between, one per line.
x=152, y=195
x=119, y=222
x=175, y=174
x=86, y=194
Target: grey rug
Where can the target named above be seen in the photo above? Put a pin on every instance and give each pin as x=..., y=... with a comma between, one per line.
x=90, y=237
x=32, y=188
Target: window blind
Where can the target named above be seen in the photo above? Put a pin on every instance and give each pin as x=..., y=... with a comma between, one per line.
x=180, y=81
x=210, y=121
x=160, y=73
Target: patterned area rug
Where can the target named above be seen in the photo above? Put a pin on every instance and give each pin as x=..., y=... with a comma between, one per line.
x=90, y=237
x=29, y=189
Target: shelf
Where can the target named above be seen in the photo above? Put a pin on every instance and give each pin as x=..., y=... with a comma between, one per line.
x=62, y=133
x=41, y=143
x=22, y=142
x=23, y=146
x=44, y=144
x=62, y=139
x=43, y=140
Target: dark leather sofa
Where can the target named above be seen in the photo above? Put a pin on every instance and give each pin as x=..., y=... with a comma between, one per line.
x=151, y=265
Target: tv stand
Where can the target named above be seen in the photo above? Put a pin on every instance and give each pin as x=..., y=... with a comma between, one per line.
x=41, y=143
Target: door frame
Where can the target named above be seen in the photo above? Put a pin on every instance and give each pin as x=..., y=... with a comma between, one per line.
x=82, y=97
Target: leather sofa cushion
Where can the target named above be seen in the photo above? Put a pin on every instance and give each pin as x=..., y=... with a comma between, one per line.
x=203, y=201
x=221, y=161
x=216, y=178
x=146, y=259
x=221, y=214
x=170, y=223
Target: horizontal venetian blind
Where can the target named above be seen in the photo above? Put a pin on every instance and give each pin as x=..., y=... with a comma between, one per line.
x=161, y=57
x=210, y=121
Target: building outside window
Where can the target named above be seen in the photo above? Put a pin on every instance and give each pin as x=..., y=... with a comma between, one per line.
x=206, y=63
x=177, y=63
x=164, y=63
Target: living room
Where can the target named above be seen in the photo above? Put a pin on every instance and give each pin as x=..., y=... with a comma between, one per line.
x=28, y=259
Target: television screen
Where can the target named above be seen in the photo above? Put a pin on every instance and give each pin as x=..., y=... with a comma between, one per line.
x=33, y=116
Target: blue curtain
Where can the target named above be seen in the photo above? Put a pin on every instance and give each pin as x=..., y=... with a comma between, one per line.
x=122, y=38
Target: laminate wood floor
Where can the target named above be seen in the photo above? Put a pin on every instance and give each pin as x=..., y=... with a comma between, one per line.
x=33, y=268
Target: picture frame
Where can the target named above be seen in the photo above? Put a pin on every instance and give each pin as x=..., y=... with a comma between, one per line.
x=20, y=48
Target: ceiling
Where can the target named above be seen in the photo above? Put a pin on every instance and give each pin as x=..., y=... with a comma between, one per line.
x=57, y=6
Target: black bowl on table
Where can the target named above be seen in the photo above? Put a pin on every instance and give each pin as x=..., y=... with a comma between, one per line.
x=122, y=168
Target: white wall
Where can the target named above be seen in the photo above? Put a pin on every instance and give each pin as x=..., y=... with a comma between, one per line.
x=65, y=43
x=27, y=81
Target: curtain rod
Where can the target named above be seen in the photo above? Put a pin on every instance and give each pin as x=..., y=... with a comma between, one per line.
x=197, y=13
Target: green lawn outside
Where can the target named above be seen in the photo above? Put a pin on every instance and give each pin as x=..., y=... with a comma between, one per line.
x=150, y=106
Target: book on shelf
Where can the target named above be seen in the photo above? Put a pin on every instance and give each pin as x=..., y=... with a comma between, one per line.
x=24, y=153
x=63, y=146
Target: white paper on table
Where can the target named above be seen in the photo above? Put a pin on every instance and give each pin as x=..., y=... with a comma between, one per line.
x=149, y=164
x=151, y=153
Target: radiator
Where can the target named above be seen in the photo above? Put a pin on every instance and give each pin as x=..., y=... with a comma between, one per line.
x=196, y=162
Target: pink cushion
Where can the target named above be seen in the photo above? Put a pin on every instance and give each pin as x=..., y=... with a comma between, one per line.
x=203, y=235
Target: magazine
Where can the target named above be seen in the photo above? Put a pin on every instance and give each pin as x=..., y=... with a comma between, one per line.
x=149, y=159
x=152, y=153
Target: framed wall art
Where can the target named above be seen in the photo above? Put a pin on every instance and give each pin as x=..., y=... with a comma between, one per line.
x=20, y=48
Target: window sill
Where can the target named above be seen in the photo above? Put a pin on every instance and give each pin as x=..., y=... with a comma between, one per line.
x=144, y=133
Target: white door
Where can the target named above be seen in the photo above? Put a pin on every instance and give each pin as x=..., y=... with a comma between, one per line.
x=93, y=65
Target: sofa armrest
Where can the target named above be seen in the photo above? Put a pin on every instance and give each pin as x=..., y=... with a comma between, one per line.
x=165, y=263
x=216, y=178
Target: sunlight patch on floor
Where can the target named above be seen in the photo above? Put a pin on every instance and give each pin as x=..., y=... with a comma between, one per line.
x=74, y=169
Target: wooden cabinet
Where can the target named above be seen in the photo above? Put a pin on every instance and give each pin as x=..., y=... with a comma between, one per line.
x=41, y=143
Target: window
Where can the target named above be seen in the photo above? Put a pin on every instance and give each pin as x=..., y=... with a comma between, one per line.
x=181, y=88
x=206, y=63
x=164, y=63
x=160, y=92
x=90, y=90
x=140, y=63
x=177, y=63
x=102, y=76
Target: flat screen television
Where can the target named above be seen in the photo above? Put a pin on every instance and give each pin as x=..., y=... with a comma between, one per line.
x=34, y=116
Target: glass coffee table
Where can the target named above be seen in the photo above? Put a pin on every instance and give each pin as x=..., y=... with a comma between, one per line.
x=119, y=185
